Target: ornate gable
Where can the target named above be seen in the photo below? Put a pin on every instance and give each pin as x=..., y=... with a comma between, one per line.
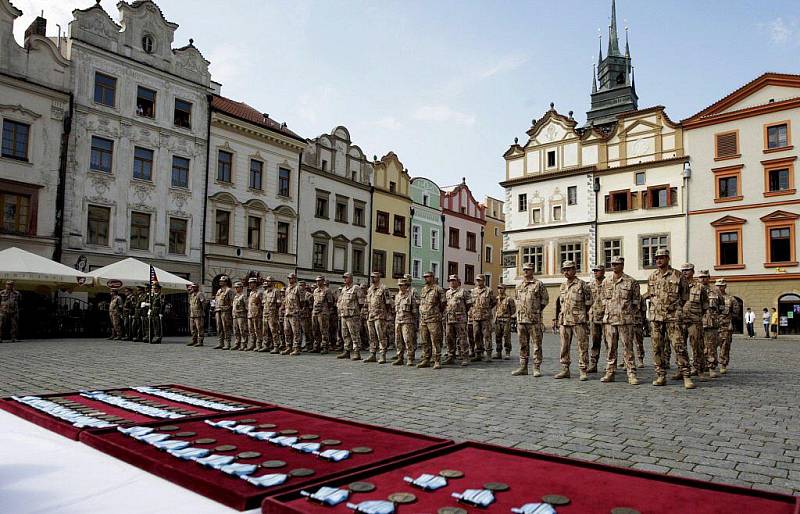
x=780, y=216
x=726, y=221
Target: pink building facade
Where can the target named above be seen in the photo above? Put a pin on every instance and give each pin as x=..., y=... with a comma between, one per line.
x=464, y=222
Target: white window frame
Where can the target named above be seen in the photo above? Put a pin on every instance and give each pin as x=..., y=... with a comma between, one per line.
x=435, y=239
x=416, y=236
x=435, y=264
x=416, y=269
x=487, y=279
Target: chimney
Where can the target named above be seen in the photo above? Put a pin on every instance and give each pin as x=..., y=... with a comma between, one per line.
x=37, y=27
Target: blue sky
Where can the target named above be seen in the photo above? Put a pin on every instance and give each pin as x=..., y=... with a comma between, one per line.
x=447, y=85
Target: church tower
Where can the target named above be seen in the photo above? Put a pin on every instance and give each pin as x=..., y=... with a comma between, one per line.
x=616, y=91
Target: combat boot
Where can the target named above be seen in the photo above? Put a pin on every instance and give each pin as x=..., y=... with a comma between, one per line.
x=191, y=343
x=608, y=377
x=398, y=360
x=218, y=347
x=639, y=362
x=465, y=362
x=476, y=358
x=382, y=358
x=286, y=351
x=355, y=356
x=688, y=384
x=497, y=356
x=564, y=373
x=236, y=346
x=660, y=380
x=592, y=368
x=487, y=357
x=522, y=369
x=632, y=380
x=677, y=376
x=295, y=352
x=723, y=370
x=199, y=344
x=537, y=371
x=424, y=363
x=410, y=362
x=437, y=364
x=712, y=373
x=345, y=354
x=323, y=350
x=449, y=360
x=583, y=376
x=701, y=376
x=371, y=358
x=506, y=356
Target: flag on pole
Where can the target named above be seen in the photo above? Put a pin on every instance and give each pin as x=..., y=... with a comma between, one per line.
x=153, y=276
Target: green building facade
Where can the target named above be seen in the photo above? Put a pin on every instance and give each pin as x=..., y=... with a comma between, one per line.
x=426, y=242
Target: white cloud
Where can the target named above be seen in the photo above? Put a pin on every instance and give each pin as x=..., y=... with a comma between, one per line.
x=389, y=123
x=779, y=31
x=505, y=64
x=443, y=114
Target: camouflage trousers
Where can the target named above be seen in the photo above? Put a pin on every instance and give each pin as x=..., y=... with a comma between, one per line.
x=351, y=333
x=482, y=336
x=502, y=335
x=240, y=333
x=256, y=331
x=638, y=340
x=377, y=335
x=404, y=339
x=711, y=340
x=116, y=325
x=157, y=328
x=272, y=332
x=430, y=335
x=291, y=332
x=581, y=333
x=597, y=333
x=308, y=330
x=224, y=327
x=322, y=332
x=693, y=337
x=457, y=335
x=725, y=337
x=197, y=329
x=530, y=332
x=614, y=335
x=664, y=334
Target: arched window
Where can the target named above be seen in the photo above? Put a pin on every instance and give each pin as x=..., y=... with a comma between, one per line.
x=148, y=45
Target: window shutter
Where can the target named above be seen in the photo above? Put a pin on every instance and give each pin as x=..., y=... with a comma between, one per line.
x=645, y=200
x=608, y=203
x=634, y=200
x=630, y=201
x=727, y=144
x=673, y=196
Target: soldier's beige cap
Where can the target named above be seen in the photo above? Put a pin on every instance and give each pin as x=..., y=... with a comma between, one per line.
x=480, y=277
x=10, y=282
x=402, y=282
x=527, y=266
x=252, y=279
x=291, y=275
x=662, y=252
x=193, y=284
x=319, y=277
x=598, y=267
x=688, y=266
x=501, y=286
x=452, y=277
x=720, y=282
x=703, y=273
x=376, y=274
x=427, y=274
x=618, y=259
x=407, y=276
x=567, y=265
x=238, y=284
x=347, y=275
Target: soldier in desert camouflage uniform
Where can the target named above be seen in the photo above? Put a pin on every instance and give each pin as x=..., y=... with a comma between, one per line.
x=621, y=296
x=378, y=302
x=406, y=317
x=431, y=306
x=364, y=317
x=668, y=291
x=197, y=314
x=596, y=314
x=458, y=300
x=576, y=300
x=115, y=313
x=480, y=316
x=306, y=304
x=254, y=319
x=503, y=314
x=224, y=305
x=638, y=332
x=532, y=298
x=240, y=333
x=271, y=300
x=293, y=298
x=710, y=325
x=728, y=308
x=350, y=303
x=693, y=311
x=322, y=310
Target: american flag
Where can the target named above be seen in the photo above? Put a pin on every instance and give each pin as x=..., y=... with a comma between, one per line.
x=153, y=276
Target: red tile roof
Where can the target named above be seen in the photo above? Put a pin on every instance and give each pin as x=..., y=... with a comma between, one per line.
x=247, y=113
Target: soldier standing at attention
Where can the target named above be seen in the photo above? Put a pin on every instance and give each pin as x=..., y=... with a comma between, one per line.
x=9, y=310
x=197, y=311
x=271, y=300
x=156, y=314
x=505, y=310
x=458, y=300
x=727, y=309
x=596, y=316
x=431, y=305
x=305, y=317
x=480, y=314
x=364, y=317
x=350, y=302
x=406, y=315
x=693, y=311
x=378, y=301
x=638, y=331
x=668, y=291
x=115, y=313
x=239, y=317
x=224, y=305
x=324, y=304
x=127, y=312
x=531, y=299
x=139, y=298
x=710, y=325
x=254, y=329
x=293, y=298
x=576, y=300
x=621, y=296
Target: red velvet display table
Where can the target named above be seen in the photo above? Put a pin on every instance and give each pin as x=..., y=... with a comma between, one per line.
x=128, y=417
x=590, y=487
x=383, y=445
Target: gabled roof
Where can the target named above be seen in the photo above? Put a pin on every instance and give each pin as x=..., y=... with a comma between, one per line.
x=728, y=220
x=249, y=114
x=780, y=215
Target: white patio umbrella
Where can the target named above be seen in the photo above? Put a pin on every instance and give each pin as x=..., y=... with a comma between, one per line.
x=131, y=272
x=30, y=271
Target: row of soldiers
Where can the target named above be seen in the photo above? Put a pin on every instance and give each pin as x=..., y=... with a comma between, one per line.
x=137, y=315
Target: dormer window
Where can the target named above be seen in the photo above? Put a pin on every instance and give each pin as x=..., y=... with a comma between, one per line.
x=147, y=44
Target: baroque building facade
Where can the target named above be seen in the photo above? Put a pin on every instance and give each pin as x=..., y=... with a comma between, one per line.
x=251, y=212
x=391, y=216
x=464, y=221
x=136, y=166
x=35, y=118
x=427, y=222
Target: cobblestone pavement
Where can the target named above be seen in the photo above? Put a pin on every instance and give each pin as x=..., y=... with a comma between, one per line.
x=742, y=429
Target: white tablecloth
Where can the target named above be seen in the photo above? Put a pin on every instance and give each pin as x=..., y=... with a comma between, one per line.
x=43, y=472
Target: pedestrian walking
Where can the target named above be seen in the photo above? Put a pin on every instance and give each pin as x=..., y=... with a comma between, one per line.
x=749, y=319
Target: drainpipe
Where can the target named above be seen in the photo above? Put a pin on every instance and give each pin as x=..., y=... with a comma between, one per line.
x=687, y=174
x=297, y=224
x=62, y=179
x=369, y=229
x=443, y=263
x=205, y=195
x=410, y=232
x=596, y=189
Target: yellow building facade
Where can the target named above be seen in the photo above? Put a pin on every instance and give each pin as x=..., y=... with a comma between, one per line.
x=493, y=241
x=391, y=219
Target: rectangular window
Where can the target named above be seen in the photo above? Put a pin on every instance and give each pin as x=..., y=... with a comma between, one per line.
x=283, y=237
x=382, y=222
x=284, y=181
x=105, y=89
x=224, y=166
x=728, y=248
x=339, y=257
x=572, y=195
x=777, y=135
x=416, y=236
x=469, y=274
x=183, y=114
x=341, y=209
x=658, y=197
x=534, y=255
x=321, y=207
x=98, y=225
x=611, y=248
x=487, y=279
x=434, y=239
x=471, y=242
x=15, y=140
x=639, y=178
x=557, y=213
x=726, y=145
x=358, y=214
x=319, y=258
x=145, y=102
x=16, y=212
x=180, y=171
x=435, y=269
x=509, y=259
x=223, y=222
x=453, y=238
x=780, y=244
x=254, y=232
x=256, y=175
x=398, y=265
x=488, y=254
x=392, y=187
x=358, y=261
x=399, y=225
x=618, y=201
x=324, y=165
x=416, y=267
x=522, y=202
x=649, y=245
x=177, y=236
x=452, y=268
x=140, y=231
x=142, y=163
x=551, y=158
x=102, y=154
x=536, y=216
x=778, y=180
x=728, y=187
x=571, y=252
x=379, y=262
x=425, y=199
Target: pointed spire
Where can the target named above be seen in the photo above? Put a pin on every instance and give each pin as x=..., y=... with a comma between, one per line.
x=627, y=47
x=633, y=80
x=594, y=78
x=613, y=39
x=600, y=44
